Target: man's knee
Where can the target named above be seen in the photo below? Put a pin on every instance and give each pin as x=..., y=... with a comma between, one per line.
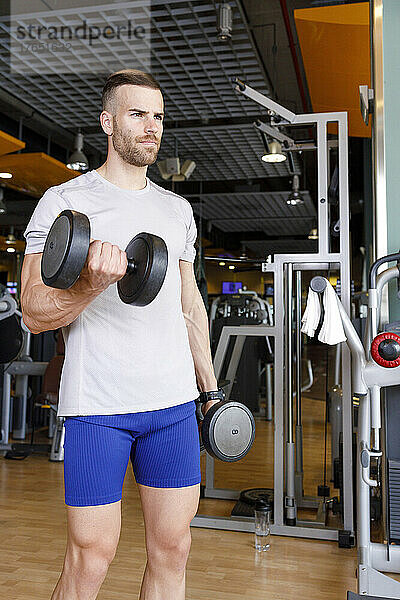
x=169, y=551
x=90, y=561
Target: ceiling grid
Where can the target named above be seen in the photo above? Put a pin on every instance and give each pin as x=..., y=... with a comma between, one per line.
x=266, y=212
x=232, y=153
x=192, y=66
x=195, y=71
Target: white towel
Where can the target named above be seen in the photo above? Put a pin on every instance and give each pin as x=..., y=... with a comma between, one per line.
x=332, y=331
x=312, y=314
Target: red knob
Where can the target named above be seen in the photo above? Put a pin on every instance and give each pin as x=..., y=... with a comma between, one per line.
x=385, y=350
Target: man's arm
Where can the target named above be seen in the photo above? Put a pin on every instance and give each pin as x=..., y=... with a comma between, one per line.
x=45, y=308
x=196, y=320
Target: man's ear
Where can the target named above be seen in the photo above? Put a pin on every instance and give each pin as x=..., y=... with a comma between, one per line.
x=106, y=122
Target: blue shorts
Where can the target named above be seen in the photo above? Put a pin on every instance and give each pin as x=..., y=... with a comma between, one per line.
x=163, y=446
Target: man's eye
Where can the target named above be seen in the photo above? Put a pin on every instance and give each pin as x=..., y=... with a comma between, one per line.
x=136, y=114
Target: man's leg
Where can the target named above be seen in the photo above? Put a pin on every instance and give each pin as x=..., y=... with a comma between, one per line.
x=93, y=534
x=167, y=516
x=96, y=454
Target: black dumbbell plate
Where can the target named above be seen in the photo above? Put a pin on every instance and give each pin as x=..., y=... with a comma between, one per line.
x=66, y=249
x=150, y=255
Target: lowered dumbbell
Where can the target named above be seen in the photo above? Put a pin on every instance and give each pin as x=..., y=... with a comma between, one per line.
x=67, y=247
x=227, y=430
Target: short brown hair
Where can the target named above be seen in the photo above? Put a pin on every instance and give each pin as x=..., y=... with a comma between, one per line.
x=127, y=76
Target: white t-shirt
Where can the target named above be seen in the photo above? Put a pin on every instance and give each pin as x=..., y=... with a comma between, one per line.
x=121, y=358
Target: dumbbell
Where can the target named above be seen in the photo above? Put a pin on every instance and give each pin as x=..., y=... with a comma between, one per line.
x=67, y=247
x=227, y=430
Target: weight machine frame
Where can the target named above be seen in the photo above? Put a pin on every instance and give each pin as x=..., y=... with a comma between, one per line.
x=282, y=267
x=368, y=378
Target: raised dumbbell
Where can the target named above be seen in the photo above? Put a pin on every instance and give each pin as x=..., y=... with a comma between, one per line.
x=67, y=247
x=227, y=430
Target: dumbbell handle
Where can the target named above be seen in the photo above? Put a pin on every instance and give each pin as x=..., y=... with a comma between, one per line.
x=131, y=268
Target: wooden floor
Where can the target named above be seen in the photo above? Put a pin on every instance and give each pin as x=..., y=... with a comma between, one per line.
x=222, y=564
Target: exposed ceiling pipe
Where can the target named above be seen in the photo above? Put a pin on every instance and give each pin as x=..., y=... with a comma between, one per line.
x=285, y=14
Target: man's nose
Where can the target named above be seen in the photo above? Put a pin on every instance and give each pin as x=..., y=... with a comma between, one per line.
x=152, y=125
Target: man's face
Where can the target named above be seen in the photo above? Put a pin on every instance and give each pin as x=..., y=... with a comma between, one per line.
x=137, y=124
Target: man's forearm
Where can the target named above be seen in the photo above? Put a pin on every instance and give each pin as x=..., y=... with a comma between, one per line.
x=44, y=308
x=199, y=339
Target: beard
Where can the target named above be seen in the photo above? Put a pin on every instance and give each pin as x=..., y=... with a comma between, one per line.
x=131, y=150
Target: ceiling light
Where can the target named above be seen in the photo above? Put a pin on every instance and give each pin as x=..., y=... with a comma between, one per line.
x=10, y=250
x=222, y=264
x=313, y=235
x=3, y=207
x=274, y=154
x=295, y=196
x=6, y=175
x=78, y=160
x=224, y=25
x=231, y=267
x=11, y=239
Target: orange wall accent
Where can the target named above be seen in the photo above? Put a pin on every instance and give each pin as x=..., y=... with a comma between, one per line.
x=334, y=43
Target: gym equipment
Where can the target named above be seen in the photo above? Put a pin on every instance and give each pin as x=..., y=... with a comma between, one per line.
x=8, y=305
x=385, y=350
x=353, y=596
x=254, y=357
x=67, y=246
x=227, y=430
x=372, y=370
x=47, y=399
x=235, y=311
x=248, y=499
x=332, y=256
x=19, y=369
x=10, y=330
x=14, y=354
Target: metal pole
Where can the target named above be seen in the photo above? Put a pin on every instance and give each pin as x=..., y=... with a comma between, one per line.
x=21, y=392
x=268, y=408
x=6, y=409
x=299, y=427
x=289, y=343
x=298, y=346
x=380, y=247
x=290, y=499
x=338, y=352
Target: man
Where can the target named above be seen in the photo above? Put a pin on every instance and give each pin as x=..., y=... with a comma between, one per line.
x=131, y=374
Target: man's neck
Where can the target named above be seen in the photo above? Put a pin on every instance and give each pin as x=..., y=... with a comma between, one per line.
x=125, y=176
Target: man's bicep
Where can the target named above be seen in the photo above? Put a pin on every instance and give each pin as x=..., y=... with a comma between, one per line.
x=189, y=285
